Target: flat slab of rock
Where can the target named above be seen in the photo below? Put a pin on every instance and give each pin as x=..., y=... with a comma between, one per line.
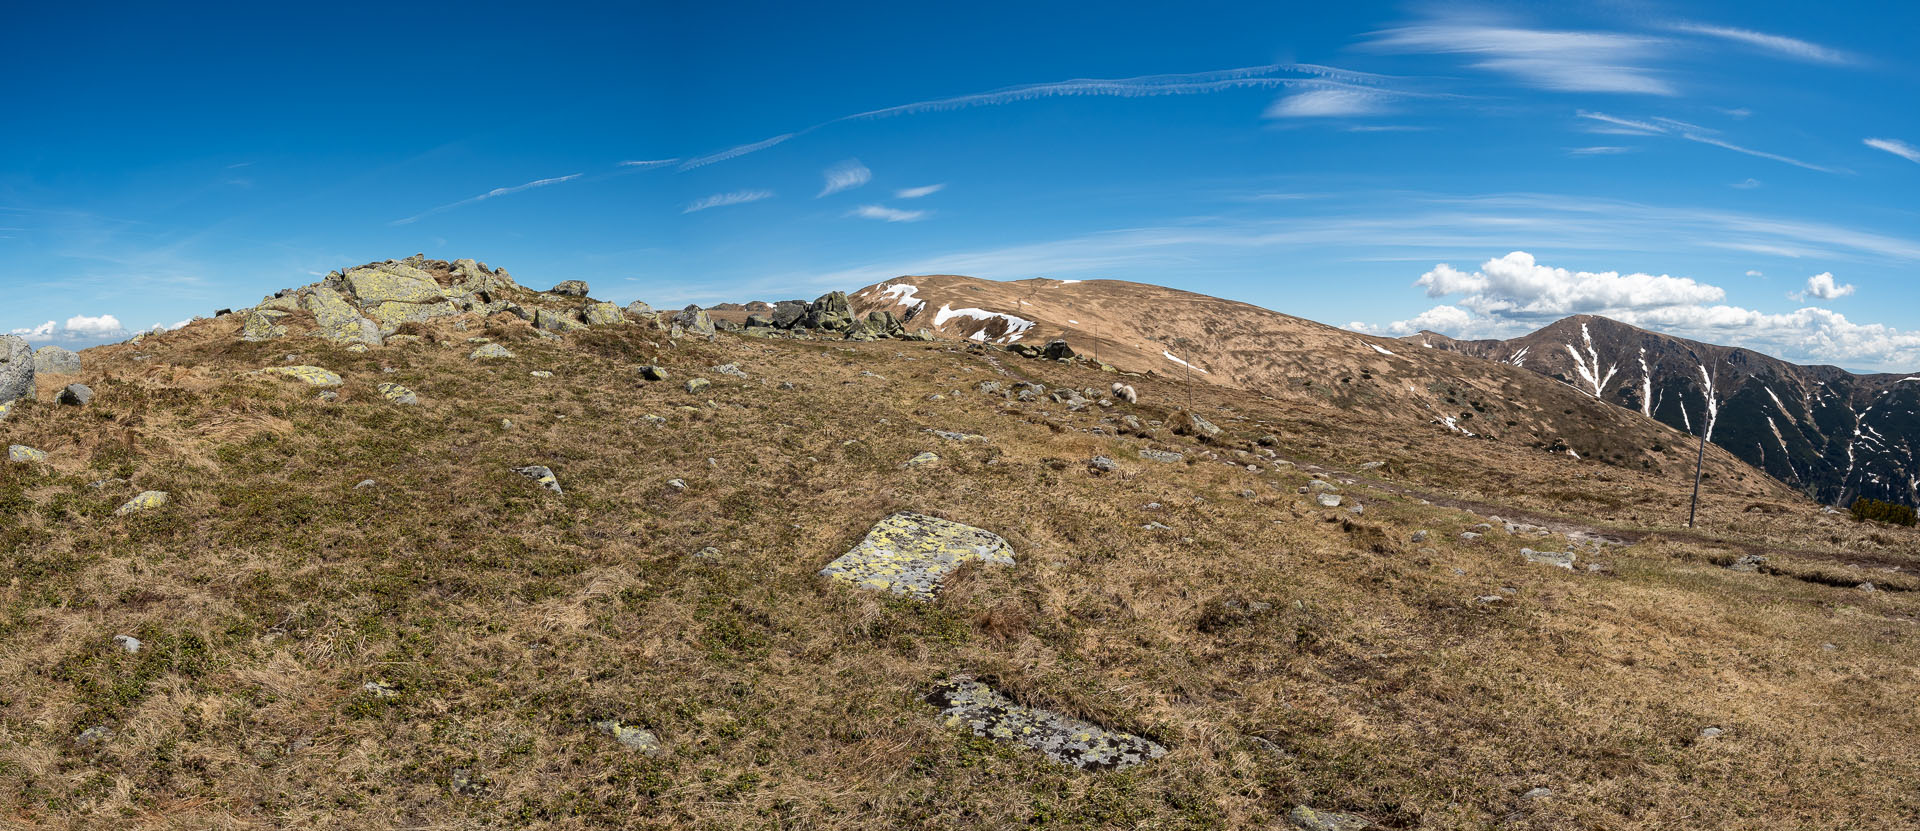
x=490, y=350
x=54, y=360
x=398, y=394
x=968, y=703
x=631, y=738
x=312, y=375
x=1559, y=559
x=23, y=454
x=910, y=554
x=1161, y=456
x=542, y=475
x=1314, y=820
x=146, y=501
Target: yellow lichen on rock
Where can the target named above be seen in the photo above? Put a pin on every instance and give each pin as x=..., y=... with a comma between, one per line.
x=398, y=394
x=339, y=321
x=310, y=374
x=392, y=283
x=147, y=500
x=911, y=554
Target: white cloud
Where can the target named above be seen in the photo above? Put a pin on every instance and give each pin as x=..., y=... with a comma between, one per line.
x=1598, y=151
x=846, y=175
x=738, y=197
x=1752, y=272
x=1778, y=44
x=1515, y=286
x=1896, y=147
x=1330, y=101
x=734, y=152
x=94, y=327
x=916, y=193
x=1565, y=61
x=1447, y=320
x=648, y=164
x=537, y=183
x=42, y=331
x=1822, y=286
x=1749, y=184
x=888, y=214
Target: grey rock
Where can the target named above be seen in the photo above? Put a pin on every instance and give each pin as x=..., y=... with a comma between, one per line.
x=1103, y=464
x=16, y=370
x=694, y=320
x=923, y=459
x=96, y=734
x=489, y=351
x=1322, y=486
x=1748, y=563
x=1161, y=455
x=830, y=312
x=366, y=483
x=788, y=314
x=1057, y=350
x=653, y=373
x=1711, y=732
x=541, y=474
x=552, y=321
x=1328, y=500
x=1538, y=793
x=631, y=738
x=570, y=288
x=380, y=689
x=1311, y=819
x=1191, y=424
x=53, y=360
x=639, y=308
x=603, y=314
x=695, y=385
x=76, y=395
x=965, y=702
x=1418, y=536
x=1558, y=559
x=22, y=454
x=730, y=369
x=128, y=643
x=677, y=484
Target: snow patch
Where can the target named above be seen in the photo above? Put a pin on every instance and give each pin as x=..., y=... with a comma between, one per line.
x=1588, y=366
x=1169, y=356
x=1646, y=385
x=903, y=294
x=1016, y=326
x=1378, y=348
x=1519, y=358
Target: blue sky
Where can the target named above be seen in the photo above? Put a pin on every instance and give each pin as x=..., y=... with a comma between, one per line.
x=1479, y=170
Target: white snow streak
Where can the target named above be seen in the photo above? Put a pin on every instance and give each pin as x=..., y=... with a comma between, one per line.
x=1646, y=385
x=1170, y=357
x=1713, y=406
x=1379, y=349
x=1590, y=372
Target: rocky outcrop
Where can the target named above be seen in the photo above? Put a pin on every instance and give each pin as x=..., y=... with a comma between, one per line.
x=16, y=370
x=262, y=324
x=569, y=288
x=911, y=554
x=695, y=321
x=53, y=360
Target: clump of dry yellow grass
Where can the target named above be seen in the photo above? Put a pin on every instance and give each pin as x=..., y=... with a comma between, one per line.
x=1372, y=680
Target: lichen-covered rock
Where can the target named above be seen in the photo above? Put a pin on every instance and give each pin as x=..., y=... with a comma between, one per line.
x=830, y=312
x=392, y=283
x=53, y=360
x=1161, y=455
x=338, y=320
x=1749, y=563
x=695, y=320
x=695, y=385
x=1057, y=350
x=1558, y=559
x=923, y=459
x=651, y=372
x=788, y=314
x=489, y=350
x=1309, y=819
x=391, y=315
x=398, y=394
x=570, y=288
x=23, y=454
x=603, y=314
x=262, y=324
x=16, y=369
x=476, y=277
x=146, y=501
x=1328, y=500
x=910, y=554
x=631, y=738
x=542, y=475
x=639, y=308
x=312, y=375
x=76, y=395
x=553, y=321
x=1191, y=424
x=968, y=703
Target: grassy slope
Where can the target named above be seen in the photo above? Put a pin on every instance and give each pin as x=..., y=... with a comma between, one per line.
x=509, y=618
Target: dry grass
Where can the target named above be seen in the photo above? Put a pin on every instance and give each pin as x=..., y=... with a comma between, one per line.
x=509, y=619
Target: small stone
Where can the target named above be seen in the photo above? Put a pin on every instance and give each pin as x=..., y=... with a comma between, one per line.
x=365, y=483
x=631, y=738
x=1867, y=587
x=1538, y=793
x=1329, y=500
x=922, y=459
x=147, y=500
x=380, y=689
x=542, y=475
x=1373, y=465
x=1310, y=819
x=676, y=484
x=541, y=373
x=730, y=369
x=708, y=553
x=506, y=424
x=1469, y=536
x=1161, y=456
x=489, y=350
x=23, y=454
x=1489, y=598
x=75, y=395
x=311, y=375
x=652, y=373
x=1711, y=733
x=93, y=735
x=1748, y=563
x=1418, y=536
x=127, y=642
x=695, y=385
x=398, y=394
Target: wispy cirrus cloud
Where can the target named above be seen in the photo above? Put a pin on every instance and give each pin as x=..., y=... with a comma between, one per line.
x=1690, y=132
x=1603, y=150
x=846, y=175
x=1896, y=147
x=1563, y=61
x=496, y=192
x=648, y=164
x=734, y=152
x=887, y=214
x=1330, y=101
x=1778, y=44
x=916, y=193
x=720, y=200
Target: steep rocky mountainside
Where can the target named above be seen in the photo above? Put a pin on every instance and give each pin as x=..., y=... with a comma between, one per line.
x=1192, y=337
x=1833, y=434
x=643, y=570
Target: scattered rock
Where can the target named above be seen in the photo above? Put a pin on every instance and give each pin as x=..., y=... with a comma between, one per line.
x=1418, y=536
x=569, y=288
x=54, y=360
x=1867, y=587
x=96, y=734
x=76, y=395
x=16, y=370
x=145, y=501
x=542, y=475
x=1322, y=486
x=1373, y=465
x=695, y=385
x=676, y=484
x=128, y=643
x=708, y=553
x=1161, y=455
x=262, y=324
x=922, y=459
x=1559, y=559
x=694, y=319
x=311, y=375
x=1191, y=424
x=1748, y=563
x=1711, y=733
x=1469, y=536
x=1057, y=350
x=541, y=373
x=1103, y=464
x=968, y=703
x=603, y=314
x=23, y=454
x=639, y=308
x=631, y=738
x=730, y=369
x=380, y=689
x=1538, y=793
x=1328, y=500
x=910, y=554
x=489, y=350
x=552, y=321
x=951, y=435
x=398, y=394
x=1313, y=820
x=653, y=373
